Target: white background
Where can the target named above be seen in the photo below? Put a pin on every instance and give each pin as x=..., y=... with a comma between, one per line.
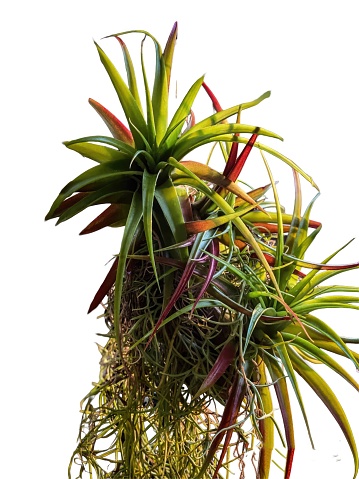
x=305, y=52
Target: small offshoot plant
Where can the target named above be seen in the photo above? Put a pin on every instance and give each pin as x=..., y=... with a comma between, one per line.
x=210, y=305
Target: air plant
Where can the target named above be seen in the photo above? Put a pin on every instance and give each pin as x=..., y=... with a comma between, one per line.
x=210, y=303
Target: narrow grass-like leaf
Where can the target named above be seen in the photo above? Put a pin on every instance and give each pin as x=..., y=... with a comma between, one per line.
x=270, y=216
x=200, y=244
x=234, y=402
x=68, y=203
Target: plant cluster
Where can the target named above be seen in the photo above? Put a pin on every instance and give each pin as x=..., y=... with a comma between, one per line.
x=210, y=303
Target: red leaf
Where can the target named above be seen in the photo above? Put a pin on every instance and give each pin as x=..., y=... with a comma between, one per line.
x=232, y=171
x=105, y=286
x=215, y=102
x=213, y=248
x=68, y=203
x=221, y=364
x=230, y=414
x=271, y=227
x=108, y=217
x=116, y=127
x=187, y=273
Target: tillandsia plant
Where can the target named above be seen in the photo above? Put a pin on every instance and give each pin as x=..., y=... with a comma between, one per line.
x=209, y=303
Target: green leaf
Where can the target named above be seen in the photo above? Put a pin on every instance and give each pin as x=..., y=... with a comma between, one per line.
x=131, y=74
x=297, y=213
x=98, y=153
x=283, y=351
x=320, y=290
x=266, y=424
x=280, y=235
x=206, y=173
x=133, y=219
x=97, y=177
x=194, y=227
x=160, y=95
x=327, y=331
x=299, y=245
x=107, y=140
x=324, y=392
x=307, y=306
x=129, y=104
x=281, y=157
x=315, y=277
x=168, y=201
x=224, y=114
x=194, y=138
x=160, y=89
x=179, y=118
x=96, y=197
x=169, y=50
x=330, y=346
x=257, y=313
x=149, y=181
x=312, y=349
x=226, y=208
